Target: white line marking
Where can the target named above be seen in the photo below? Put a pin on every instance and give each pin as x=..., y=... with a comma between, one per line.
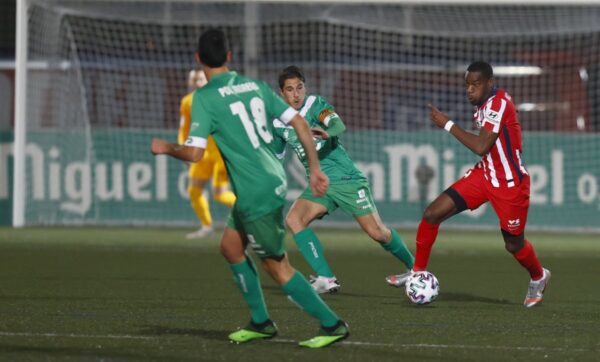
x=278, y=340
x=446, y=346
x=72, y=335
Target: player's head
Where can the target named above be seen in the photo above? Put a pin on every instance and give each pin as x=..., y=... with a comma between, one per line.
x=291, y=86
x=479, y=80
x=196, y=79
x=213, y=49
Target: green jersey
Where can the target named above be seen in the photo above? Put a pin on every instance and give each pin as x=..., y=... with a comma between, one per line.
x=234, y=110
x=335, y=161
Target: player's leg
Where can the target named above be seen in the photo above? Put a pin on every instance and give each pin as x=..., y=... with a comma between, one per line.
x=233, y=248
x=304, y=210
x=466, y=193
x=356, y=199
x=523, y=252
x=439, y=210
x=266, y=237
x=220, y=182
x=391, y=242
x=199, y=175
x=511, y=206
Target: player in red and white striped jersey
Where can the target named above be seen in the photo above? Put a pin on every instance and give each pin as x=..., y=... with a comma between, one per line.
x=499, y=177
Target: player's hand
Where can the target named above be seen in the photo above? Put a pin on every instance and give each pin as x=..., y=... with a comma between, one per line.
x=438, y=117
x=319, y=133
x=159, y=146
x=319, y=182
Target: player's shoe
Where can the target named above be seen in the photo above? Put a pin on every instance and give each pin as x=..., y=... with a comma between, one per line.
x=535, y=293
x=398, y=280
x=200, y=233
x=254, y=331
x=324, y=284
x=328, y=336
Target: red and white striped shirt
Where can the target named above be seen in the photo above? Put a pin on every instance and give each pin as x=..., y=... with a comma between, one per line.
x=502, y=165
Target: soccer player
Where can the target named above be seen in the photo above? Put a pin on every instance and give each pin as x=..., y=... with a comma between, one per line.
x=211, y=165
x=234, y=109
x=499, y=177
x=349, y=189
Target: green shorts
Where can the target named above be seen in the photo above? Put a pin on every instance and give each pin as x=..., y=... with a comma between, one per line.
x=266, y=234
x=354, y=198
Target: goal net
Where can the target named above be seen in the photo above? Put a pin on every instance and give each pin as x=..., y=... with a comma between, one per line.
x=104, y=77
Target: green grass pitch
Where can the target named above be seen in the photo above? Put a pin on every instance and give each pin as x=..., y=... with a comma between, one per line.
x=147, y=294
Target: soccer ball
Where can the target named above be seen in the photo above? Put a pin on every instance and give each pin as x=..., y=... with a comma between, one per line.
x=422, y=287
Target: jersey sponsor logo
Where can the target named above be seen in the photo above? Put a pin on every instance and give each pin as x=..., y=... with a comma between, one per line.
x=362, y=197
x=492, y=116
x=514, y=224
x=238, y=89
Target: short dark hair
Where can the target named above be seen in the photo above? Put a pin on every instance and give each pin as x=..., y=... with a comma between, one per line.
x=482, y=67
x=290, y=72
x=213, y=48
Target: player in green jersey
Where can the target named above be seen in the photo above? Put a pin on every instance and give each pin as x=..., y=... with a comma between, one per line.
x=234, y=109
x=349, y=189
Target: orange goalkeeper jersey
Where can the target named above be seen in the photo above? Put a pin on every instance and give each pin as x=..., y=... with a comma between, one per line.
x=185, y=112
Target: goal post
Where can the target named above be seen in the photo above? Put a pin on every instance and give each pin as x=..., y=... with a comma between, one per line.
x=96, y=79
x=20, y=132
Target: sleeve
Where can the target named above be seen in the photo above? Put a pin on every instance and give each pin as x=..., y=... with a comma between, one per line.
x=184, y=119
x=201, y=124
x=276, y=107
x=279, y=143
x=327, y=114
x=493, y=114
x=329, y=119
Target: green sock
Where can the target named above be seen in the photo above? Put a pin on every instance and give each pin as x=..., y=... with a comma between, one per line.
x=246, y=279
x=303, y=294
x=398, y=248
x=310, y=247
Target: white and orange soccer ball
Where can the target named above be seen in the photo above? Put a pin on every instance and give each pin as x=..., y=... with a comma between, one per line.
x=422, y=287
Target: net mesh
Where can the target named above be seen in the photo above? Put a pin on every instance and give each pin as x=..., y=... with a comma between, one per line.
x=104, y=77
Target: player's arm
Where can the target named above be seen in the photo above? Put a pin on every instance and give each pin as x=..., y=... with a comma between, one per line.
x=331, y=123
x=193, y=148
x=478, y=143
x=318, y=180
x=181, y=152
